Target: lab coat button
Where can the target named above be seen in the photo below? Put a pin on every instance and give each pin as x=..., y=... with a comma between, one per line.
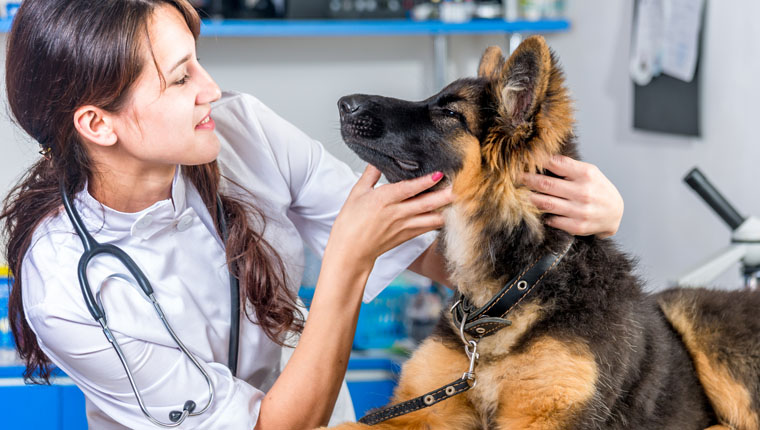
x=184, y=223
x=144, y=222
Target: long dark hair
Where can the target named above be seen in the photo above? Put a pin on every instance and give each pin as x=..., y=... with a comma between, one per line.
x=64, y=54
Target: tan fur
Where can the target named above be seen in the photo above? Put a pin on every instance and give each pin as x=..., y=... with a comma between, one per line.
x=492, y=351
x=730, y=399
x=543, y=387
x=491, y=62
x=502, y=342
x=553, y=121
x=465, y=219
x=492, y=169
x=546, y=386
x=432, y=366
x=512, y=75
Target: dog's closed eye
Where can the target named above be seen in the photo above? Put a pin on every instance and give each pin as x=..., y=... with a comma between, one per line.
x=451, y=113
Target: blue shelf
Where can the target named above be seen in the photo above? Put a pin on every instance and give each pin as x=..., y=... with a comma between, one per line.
x=338, y=28
x=272, y=28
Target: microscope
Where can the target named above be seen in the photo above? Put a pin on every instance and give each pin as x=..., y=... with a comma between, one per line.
x=745, y=239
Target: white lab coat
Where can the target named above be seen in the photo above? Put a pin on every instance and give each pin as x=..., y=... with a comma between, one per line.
x=299, y=186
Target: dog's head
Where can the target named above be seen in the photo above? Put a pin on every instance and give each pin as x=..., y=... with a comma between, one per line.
x=480, y=132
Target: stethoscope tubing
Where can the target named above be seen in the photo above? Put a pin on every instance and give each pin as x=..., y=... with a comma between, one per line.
x=93, y=248
x=234, y=296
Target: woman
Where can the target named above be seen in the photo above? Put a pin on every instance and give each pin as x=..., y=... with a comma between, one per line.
x=113, y=93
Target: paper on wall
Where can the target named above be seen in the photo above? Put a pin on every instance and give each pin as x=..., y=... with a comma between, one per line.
x=648, y=31
x=665, y=39
x=681, y=41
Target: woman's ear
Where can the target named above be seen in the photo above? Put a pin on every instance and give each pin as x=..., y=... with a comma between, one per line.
x=95, y=125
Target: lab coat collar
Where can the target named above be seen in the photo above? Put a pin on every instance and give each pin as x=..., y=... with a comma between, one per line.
x=143, y=224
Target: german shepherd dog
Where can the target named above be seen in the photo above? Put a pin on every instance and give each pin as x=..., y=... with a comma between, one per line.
x=586, y=348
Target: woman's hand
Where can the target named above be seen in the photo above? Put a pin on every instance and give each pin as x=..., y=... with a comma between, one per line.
x=376, y=219
x=583, y=202
x=372, y=221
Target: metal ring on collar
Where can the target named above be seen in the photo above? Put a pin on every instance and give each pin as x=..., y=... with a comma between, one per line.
x=461, y=330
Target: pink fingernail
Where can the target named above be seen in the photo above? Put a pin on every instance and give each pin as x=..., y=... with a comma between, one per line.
x=437, y=176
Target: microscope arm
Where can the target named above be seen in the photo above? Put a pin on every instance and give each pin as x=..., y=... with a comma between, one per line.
x=705, y=272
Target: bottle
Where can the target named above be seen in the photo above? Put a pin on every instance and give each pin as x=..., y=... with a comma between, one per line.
x=532, y=10
x=7, y=347
x=511, y=10
x=455, y=11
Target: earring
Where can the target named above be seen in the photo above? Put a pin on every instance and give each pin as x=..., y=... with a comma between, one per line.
x=45, y=152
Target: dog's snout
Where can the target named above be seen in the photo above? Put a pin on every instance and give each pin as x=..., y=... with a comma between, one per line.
x=349, y=105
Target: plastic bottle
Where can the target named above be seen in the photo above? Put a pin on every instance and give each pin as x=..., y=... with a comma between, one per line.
x=532, y=10
x=511, y=10
x=7, y=347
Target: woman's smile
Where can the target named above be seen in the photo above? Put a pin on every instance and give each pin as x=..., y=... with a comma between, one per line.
x=206, y=124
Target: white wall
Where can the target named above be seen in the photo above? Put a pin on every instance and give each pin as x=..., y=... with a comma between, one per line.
x=665, y=224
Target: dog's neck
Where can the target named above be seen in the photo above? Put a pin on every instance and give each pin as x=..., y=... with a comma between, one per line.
x=483, y=255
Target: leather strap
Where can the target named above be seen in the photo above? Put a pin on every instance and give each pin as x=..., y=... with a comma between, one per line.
x=417, y=403
x=490, y=318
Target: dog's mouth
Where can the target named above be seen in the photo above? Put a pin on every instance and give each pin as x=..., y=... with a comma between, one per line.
x=364, y=137
x=406, y=165
x=374, y=156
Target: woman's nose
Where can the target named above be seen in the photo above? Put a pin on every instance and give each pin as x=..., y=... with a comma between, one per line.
x=209, y=90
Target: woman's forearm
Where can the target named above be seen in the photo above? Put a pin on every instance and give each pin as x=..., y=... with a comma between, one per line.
x=432, y=264
x=373, y=220
x=304, y=395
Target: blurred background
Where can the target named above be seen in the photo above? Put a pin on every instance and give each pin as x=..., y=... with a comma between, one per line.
x=643, y=129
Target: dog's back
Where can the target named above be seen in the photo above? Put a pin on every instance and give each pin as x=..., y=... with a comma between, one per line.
x=721, y=330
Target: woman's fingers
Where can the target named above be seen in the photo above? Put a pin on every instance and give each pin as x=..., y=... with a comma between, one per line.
x=406, y=189
x=425, y=222
x=549, y=185
x=569, y=168
x=570, y=225
x=369, y=177
x=584, y=200
x=427, y=202
x=555, y=205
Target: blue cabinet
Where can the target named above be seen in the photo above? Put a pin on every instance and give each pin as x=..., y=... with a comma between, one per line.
x=371, y=381
x=44, y=407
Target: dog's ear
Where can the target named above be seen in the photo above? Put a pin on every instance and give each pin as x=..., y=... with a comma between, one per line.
x=491, y=63
x=524, y=79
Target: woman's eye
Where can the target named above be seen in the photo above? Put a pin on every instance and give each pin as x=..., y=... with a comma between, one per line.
x=183, y=81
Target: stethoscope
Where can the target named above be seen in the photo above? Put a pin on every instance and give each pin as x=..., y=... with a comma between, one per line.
x=95, y=306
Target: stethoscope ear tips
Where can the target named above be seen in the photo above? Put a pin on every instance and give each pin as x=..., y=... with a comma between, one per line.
x=189, y=406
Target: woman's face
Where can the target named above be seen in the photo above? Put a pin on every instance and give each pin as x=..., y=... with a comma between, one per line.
x=162, y=127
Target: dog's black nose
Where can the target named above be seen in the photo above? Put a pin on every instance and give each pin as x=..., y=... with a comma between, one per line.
x=349, y=105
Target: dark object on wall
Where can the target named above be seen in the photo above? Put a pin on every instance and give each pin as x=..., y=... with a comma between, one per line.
x=668, y=105
x=261, y=9
x=363, y=9
x=307, y=9
x=209, y=8
x=241, y=8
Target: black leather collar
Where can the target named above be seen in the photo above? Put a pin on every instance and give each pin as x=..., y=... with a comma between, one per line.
x=479, y=323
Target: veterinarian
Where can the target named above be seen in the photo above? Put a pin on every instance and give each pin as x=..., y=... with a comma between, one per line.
x=133, y=149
